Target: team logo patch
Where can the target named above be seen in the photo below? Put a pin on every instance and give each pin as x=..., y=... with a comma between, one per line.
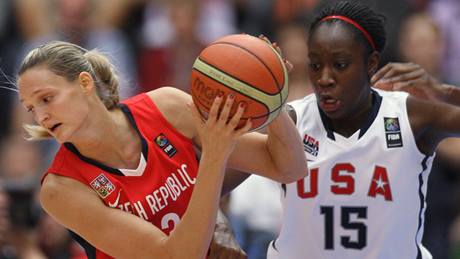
x=392, y=132
x=310, y=145
x=165, y=145
x=102, y=185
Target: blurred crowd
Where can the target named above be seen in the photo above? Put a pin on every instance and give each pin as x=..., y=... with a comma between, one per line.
x=154, y=43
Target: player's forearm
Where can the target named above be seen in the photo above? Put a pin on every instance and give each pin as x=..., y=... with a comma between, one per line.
x=284, y=145
x=192, y=237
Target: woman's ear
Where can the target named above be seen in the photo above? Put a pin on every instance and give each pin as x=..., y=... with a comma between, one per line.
x=86, y=82
x=373, y=63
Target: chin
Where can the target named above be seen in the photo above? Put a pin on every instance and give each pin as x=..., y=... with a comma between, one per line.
x=62, y=137
x=335, y=115
x=330, y=114
x=60, y=140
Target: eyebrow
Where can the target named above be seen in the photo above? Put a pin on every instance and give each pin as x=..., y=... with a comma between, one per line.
x=34, y=93
x=342, y=54
x=334, y=53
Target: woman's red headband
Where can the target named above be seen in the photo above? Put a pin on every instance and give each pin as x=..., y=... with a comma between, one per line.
x=355, y=24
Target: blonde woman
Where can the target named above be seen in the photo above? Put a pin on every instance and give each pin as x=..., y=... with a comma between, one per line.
x=126, y=179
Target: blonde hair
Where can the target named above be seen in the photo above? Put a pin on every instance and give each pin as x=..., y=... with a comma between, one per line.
x=69, y=60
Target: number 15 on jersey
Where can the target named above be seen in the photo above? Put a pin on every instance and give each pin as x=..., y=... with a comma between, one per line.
x=352, y=219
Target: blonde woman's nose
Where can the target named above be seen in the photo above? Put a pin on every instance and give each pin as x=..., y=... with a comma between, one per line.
x=41, y=116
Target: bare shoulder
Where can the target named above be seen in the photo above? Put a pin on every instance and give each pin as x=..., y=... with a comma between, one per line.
x=172, y=103
x=57, y=190
x=67, y=200
x=421, y=112
x=169, y=97
x=428, y=126
x=53, y=187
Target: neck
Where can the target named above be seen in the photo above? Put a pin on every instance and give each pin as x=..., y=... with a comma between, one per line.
x=349, y=125
x=110, y=139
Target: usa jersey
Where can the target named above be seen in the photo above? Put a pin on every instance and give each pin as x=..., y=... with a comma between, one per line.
x=364, y=196
x=158, y=191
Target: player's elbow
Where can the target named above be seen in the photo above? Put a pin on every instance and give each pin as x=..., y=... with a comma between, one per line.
x=295, y=176
x=291, y=164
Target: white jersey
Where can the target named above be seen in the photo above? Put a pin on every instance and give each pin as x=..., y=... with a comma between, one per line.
x=364, y=196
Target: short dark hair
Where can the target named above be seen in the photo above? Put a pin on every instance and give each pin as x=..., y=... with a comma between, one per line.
x=370, y=21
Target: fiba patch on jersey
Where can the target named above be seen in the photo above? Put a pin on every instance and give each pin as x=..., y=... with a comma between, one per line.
x=310, y=145
x=102, y=185
x=165, y=145
x=393, y=132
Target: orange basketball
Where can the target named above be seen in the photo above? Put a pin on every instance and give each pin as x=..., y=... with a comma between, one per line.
x=246, y=66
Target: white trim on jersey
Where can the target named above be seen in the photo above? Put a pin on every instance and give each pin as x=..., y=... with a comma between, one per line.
x=137, y=171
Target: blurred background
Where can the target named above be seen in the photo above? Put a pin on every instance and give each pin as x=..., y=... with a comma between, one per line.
x=153, y=43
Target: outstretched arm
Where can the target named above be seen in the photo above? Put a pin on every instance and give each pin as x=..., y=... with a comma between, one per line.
x=415, y=80
x=412, y=78
x=432, y=122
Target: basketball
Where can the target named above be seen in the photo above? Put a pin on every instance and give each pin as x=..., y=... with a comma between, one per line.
x=246, y=66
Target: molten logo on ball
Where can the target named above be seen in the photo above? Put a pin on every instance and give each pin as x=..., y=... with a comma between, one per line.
x=247, y=67
x=205, y=94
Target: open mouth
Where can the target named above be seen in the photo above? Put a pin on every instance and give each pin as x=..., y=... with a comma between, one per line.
x=55, y=126
x=329, y=104
x=328, y=100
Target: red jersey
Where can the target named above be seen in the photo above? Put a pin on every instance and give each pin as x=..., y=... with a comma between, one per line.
x=160, y=191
